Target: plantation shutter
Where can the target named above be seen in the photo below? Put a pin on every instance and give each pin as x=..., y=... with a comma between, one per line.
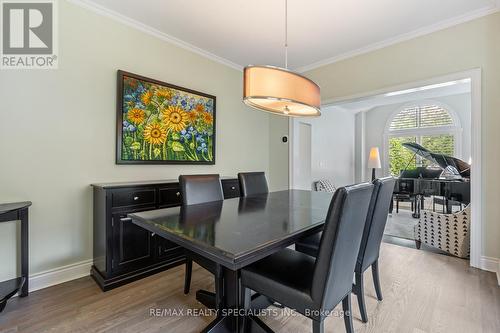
x=405, y=119
x=433, y=115
x=422, y=116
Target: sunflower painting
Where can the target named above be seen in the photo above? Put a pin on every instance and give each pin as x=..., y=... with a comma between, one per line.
x=163, y=124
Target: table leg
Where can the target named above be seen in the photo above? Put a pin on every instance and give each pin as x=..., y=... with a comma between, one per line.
x=23, y=216
x=227, y=319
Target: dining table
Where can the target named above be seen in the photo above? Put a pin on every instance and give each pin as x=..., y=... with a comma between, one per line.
x=235, y=233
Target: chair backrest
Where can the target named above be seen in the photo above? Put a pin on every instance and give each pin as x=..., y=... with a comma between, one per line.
x=253, y=183
x=375, y=222
x=196, y=189
x=339, y=245
x=324, y=185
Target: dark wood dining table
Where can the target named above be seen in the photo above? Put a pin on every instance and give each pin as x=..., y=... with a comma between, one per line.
x=237, y=232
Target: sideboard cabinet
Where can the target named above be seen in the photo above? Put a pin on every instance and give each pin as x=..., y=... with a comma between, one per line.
x=123, y=251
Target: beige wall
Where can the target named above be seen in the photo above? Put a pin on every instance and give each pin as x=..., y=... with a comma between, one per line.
x=58, y=130
x=470, y=45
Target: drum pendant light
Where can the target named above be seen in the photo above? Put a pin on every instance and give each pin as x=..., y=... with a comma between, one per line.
x=279, y=90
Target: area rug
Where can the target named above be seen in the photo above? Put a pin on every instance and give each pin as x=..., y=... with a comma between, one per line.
x=401, y=224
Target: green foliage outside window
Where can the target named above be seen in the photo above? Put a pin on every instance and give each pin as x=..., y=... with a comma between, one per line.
x=400, y=157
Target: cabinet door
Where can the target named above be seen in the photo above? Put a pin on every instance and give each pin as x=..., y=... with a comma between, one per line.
x=133, y=246
x=166, y=249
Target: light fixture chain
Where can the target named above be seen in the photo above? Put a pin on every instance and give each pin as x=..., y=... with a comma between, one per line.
x=286, y=34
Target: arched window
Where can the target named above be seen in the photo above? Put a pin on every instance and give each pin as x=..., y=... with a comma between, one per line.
x=430, y=124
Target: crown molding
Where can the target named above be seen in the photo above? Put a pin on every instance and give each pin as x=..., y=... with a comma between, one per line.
x=153, y=32
x=404, y=37
x=88, y=4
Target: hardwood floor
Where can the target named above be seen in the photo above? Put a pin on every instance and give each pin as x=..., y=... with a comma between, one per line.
x=423, y=292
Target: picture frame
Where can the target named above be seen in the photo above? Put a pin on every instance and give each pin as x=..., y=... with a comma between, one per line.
x=161, y=123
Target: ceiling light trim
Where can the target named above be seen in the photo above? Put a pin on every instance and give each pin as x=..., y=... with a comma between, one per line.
x=404, y=37
x=154, y=32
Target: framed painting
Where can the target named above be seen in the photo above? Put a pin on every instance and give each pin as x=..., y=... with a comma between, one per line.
x=160, y=123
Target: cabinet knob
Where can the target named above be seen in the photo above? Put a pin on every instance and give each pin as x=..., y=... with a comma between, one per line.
x=178, y=194
x=136, y=198
x=152, y=234
x=233, y=188
x=126, y=219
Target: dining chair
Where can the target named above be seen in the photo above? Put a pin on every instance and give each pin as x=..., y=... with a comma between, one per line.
x=252, y=183
x=199, y=189
x=314, y=286
x=370, y=243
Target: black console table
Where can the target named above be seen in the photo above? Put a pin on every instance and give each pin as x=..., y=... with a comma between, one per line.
x=125, y=252
x=13, y=212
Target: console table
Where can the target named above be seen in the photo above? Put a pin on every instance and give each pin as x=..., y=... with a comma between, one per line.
x=125, y=252
x=17, y=211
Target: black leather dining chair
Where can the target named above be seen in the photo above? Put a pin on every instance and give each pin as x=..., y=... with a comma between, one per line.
x=370, y=244
x=314, y=286
x=199, y=189
x=253, y=183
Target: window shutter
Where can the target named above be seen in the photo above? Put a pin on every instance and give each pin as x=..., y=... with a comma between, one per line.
x=422, y=116
x=433, y=115
x=405, y=119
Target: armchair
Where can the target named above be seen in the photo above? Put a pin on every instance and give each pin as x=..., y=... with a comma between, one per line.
x=447, y=232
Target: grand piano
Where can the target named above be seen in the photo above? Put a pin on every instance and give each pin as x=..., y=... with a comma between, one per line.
x=447, y=177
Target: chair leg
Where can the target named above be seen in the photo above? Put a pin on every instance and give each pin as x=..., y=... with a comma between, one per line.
x=397, y=206
x=187, y=277
x=418, y=244
x=318, y=326
x=245, y=298
x=360, y=294
x=376, y=280
x=346, y=306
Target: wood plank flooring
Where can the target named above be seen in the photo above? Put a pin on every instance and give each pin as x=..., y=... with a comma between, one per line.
x=423, y=292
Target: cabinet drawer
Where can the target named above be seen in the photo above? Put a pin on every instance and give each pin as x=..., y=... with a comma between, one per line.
x=133, y=197
x=169, y=196
x=231, y=188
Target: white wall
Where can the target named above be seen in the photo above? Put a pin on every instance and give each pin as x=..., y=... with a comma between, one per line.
x=376, y=120
x=332, y=146
x=57, y=131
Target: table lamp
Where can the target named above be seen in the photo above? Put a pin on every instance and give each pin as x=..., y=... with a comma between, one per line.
x=374, y=161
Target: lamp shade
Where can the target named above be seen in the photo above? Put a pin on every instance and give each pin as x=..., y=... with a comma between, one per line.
x=280, y=91
x=374, y=159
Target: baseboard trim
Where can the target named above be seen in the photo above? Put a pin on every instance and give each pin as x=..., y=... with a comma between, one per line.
x=59, y=275
x=491, y=264
x=81, y=269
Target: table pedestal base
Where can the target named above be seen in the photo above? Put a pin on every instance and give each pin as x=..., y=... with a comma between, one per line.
x=247, y=324
x=207, y=298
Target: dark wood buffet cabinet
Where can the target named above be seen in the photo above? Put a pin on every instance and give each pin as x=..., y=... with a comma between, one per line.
x=123, y=251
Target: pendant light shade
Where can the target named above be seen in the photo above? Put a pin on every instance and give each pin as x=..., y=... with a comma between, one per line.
x=280, y=91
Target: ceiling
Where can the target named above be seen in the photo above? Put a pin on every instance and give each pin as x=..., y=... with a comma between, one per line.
x=242, y=32
x=406, y=96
